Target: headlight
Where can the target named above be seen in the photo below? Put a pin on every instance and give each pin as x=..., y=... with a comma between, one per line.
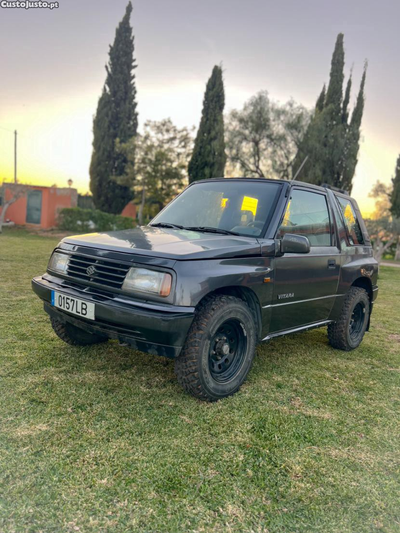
x=58, y=262
x=144, y=280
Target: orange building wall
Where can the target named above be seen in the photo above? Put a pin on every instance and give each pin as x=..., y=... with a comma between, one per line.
x=17, y=211
x=53, y=199
x=129, y=210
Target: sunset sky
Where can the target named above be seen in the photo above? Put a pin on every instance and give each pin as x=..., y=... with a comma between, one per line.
x=52, y=72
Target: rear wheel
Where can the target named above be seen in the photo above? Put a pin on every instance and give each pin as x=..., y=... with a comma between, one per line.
x=219, y=349
x=73, y=335
x=348, y=332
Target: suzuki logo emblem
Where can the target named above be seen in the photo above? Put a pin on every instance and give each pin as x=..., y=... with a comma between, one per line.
x=90, y=270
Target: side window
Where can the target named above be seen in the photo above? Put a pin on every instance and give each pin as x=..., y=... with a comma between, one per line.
x=339, y=222
x=307, y=214
x=354, y=232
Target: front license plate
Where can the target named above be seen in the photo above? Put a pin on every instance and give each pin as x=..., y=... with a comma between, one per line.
x=75, y=306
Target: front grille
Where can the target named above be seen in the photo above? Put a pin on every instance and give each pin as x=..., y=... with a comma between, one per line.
x=101, y=271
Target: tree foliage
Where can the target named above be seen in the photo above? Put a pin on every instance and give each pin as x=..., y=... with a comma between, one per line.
x=346, y=101
x=319, y=106
x=383, y=227
x=352, y=139
x=264, y=136
x=334, y=93
x=17, y=191
x=116, y=118
x=395, y=193
x=209, y=158
x=331, y=142
x=157, y=163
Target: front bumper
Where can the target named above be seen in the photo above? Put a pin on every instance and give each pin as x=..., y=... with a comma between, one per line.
x=375, y=290
x=152, y=328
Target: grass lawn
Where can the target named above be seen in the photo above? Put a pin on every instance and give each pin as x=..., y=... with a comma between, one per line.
x=103, y=439
x=391, y=261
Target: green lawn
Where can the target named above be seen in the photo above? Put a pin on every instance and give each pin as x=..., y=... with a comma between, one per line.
x=103, y=438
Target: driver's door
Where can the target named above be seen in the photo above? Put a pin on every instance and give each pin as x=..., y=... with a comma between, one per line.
x=305, y=285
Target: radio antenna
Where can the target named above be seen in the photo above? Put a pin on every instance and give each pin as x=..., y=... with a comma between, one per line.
x=300, y=168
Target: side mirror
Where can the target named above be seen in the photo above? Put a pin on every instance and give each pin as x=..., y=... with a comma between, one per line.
x=294, y=244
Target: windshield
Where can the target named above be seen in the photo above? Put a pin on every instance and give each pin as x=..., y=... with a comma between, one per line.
x=237, y=207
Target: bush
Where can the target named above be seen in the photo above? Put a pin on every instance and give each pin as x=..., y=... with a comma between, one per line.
x=86, y=220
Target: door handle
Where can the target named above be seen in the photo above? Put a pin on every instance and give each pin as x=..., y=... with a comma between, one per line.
x=331, y=263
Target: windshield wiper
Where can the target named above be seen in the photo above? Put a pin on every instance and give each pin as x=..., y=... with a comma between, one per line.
x=208, y=229
x=166, y=225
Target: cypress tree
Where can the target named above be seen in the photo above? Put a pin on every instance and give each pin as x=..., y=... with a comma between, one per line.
x=116, y=118
x=331, y=143
x=319, y=106
x=322, y=141
x=353, y=138
x=395, y=195
x=334, y=130
x=101, y=165
x=208, y=157
x=334, y=94
x=310, y=147
x=346, y=101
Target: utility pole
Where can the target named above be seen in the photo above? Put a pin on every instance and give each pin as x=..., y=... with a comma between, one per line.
x=15, y=156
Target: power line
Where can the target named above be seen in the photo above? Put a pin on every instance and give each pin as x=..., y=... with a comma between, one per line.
x=20, y=134
x=5, y=129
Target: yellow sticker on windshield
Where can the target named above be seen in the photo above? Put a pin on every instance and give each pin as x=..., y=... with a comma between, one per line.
x=224, y=201
x=249, y=204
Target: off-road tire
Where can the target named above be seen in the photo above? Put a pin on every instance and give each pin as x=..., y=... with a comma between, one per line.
x=192, y=367
x=339, y=332
x=73, y=335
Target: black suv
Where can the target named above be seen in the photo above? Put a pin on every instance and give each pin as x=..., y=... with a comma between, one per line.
x=228, y=263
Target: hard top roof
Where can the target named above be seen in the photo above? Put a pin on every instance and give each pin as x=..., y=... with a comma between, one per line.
x=322, y=187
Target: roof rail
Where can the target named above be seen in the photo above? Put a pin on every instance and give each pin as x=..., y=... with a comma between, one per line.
x=336, y=189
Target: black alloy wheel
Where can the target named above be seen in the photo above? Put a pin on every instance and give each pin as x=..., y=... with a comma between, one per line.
x=227, y=350
x=357, y=320
x=347, y=332
x=219, y=348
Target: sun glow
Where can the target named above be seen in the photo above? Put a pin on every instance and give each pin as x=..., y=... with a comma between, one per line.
x=55, y=137
x=54, y=142
x=376, y=162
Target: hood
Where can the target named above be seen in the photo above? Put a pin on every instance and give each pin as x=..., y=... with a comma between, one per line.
x=169, y=243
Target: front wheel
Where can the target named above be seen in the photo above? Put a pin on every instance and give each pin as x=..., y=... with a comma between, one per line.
x=219, y=349
x=348, y=332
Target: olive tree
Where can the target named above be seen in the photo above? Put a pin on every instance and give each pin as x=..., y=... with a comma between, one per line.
x=17, y=191
x=263, y=137
x=383, y=227
x=157, y=163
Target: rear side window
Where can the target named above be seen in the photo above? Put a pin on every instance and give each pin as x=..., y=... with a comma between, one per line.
x=307, y=214
x=353, y=228
x=340, y=224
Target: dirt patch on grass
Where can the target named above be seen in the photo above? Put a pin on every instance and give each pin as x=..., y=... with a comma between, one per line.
x=299, y=408
x=30, y=430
